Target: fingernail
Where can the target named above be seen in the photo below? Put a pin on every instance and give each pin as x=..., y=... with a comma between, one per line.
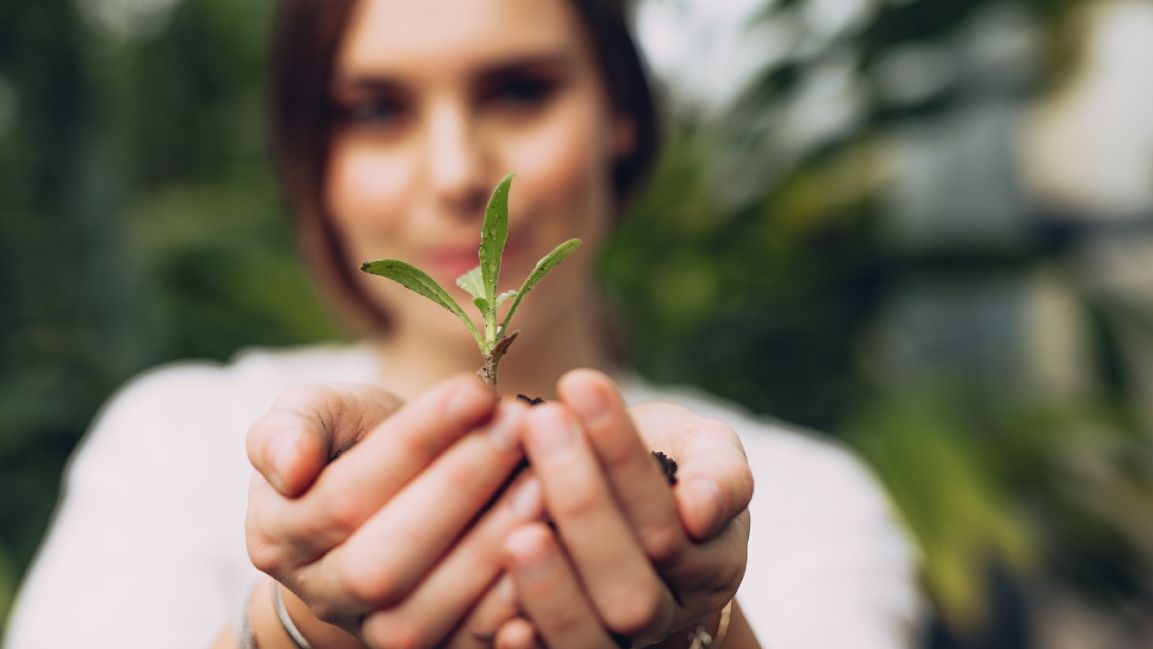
x=705, y=498
x=505, y=426
x=553, y=433
x=590, y=403
x=528, y=501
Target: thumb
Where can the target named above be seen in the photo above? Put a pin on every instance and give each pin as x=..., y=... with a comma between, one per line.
x=308, y=426
x=714, y=482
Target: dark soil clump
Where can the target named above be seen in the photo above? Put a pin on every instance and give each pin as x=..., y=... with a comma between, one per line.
x=668, y=466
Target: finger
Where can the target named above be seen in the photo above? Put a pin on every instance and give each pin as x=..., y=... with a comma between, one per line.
x=712, y=495
x=714, y=483
x=479, y=629
x=358, y=483
x=550, y=593
x=444, y=597
x=517, y=633
x=384, y=559
x=637, y=482
x=716, y=566
x=707, y=575
x=307, y=425
x=270, y=553
x=620, y=580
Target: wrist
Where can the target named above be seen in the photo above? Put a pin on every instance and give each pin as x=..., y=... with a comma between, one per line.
x=709, y=633
x=271, y=633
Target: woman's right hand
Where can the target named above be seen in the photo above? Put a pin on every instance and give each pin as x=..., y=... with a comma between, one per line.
x=627, y=555
x=363, y=509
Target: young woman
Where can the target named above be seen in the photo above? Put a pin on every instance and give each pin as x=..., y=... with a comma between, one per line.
x=390, y=504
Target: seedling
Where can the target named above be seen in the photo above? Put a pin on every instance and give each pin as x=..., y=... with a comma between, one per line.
x=481, y=283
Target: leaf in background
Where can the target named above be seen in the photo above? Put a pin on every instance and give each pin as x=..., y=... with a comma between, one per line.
x=493, y=235
x=542, y=268
x=472, y=282
x=418, y=281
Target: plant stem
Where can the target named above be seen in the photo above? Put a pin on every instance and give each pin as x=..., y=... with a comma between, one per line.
x=488, y=370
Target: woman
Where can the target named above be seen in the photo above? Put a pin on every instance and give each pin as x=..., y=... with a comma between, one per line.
x=394, y=511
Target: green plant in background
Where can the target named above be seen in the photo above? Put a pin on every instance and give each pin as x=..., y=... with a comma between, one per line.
x=951, y=496
x=481, y=283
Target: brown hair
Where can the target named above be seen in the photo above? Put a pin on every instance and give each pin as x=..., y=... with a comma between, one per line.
x=305, y=40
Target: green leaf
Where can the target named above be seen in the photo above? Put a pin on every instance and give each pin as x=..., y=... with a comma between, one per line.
x=542, y=268
x=472, y=282
x=418, y=281
x=493, y=235
x=481, y=304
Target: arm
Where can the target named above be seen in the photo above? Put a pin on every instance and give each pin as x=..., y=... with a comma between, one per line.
x=124, y=562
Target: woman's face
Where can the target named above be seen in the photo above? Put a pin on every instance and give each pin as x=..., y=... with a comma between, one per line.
x=438, y=100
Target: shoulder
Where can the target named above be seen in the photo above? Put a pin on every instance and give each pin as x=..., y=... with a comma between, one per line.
x=201, y=407
x=253, y=375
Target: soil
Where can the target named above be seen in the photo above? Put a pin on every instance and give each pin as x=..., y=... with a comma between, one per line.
x=668, y=466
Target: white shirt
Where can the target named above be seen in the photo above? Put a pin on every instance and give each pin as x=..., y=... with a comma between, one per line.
x=147, y=547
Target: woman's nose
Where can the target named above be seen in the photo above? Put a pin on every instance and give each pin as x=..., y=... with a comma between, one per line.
x=456, y=162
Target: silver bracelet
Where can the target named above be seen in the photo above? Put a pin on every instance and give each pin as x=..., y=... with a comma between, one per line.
x=286, y=620
x=700, y=638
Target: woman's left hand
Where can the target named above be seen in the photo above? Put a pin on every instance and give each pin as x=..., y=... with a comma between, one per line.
x=630, y=557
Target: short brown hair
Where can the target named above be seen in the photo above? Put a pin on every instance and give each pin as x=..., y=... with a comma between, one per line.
x=305, y=40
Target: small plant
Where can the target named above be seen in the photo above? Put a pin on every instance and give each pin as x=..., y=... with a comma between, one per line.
x=481, y=283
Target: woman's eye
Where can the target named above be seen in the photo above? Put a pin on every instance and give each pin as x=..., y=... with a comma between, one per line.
x=521, y=93
x=373, y=114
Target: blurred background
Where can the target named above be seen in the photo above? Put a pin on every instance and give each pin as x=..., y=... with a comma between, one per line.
x=924, y=227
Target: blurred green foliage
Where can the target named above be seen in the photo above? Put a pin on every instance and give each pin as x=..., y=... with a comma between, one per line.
x=138, y=224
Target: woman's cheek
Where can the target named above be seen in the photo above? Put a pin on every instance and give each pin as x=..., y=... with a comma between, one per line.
x=563, y=167
x=366, y=188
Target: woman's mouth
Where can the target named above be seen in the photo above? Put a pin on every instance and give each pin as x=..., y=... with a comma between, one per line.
x=446, y=263
x=445, y=266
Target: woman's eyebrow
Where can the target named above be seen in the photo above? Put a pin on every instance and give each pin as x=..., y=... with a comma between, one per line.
x=551, y=64
x=361, y=84
x=374, y=83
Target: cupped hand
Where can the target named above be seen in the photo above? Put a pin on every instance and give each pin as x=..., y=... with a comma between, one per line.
x=368, y=510
x=630, y=558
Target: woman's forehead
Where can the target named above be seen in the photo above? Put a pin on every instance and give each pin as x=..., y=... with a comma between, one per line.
x=400, y=36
